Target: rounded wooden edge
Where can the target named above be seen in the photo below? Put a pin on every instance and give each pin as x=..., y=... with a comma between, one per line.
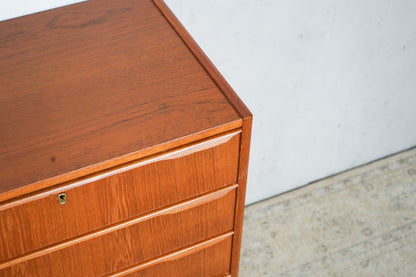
x=177, y=254
x=209, y=67
x=119, y=161
x=171, y=209
x=240, y=107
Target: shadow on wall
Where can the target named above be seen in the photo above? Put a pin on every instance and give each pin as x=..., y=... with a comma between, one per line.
x=331, y=84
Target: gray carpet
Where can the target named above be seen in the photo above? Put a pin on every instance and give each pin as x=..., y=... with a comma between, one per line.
x=359, y=223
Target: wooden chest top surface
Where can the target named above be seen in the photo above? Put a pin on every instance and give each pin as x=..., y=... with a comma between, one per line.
x=92, y=85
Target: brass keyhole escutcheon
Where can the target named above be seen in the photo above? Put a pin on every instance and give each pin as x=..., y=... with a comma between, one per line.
x=62, y=198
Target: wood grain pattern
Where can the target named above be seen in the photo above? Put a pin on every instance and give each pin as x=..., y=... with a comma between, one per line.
x=209, y=258
x=243, y=111
x=113, y=103
x=134, y=242
x=118, y=195
x=88, y=83
x=209, y=67
x=241, y=193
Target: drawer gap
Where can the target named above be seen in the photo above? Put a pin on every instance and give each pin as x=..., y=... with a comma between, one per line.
x=121, y=225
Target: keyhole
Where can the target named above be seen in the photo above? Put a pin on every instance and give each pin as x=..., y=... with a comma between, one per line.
x=62, y=198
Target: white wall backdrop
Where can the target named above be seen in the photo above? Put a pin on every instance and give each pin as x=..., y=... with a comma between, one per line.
x=331, y=84
x=14, y=8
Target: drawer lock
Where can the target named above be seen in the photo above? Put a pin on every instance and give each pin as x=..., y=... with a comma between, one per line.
x=62, y=198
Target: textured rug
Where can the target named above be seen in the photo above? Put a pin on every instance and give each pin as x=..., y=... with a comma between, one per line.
x=359, y=223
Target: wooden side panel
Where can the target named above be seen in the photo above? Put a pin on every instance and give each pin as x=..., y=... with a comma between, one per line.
x=39, y=221
x=134, y=242
x=241, y=194
x=208, y=259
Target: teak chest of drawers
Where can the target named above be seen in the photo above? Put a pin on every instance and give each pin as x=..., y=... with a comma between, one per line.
x=123, y=151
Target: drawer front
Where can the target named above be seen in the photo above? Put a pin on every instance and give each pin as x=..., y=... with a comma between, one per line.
x=208, y=259
x=93, y=203
x=132, y=242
